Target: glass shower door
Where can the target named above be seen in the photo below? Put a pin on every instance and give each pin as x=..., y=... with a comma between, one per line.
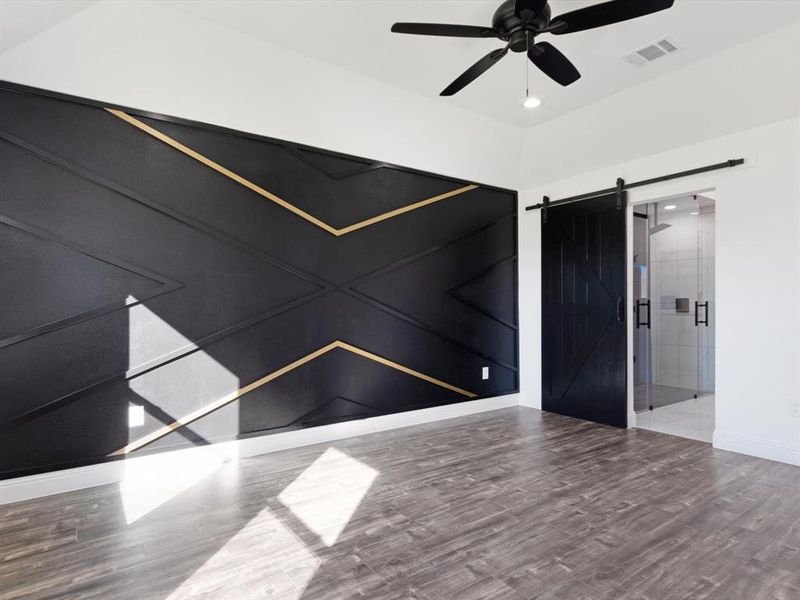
x=673, y=284
x=693, y=408
x=705, y=317
x=642, y=355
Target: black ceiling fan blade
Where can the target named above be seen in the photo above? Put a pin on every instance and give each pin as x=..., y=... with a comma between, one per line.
x=553, y=64
x=468, y=31
x=475, y=71
x=526, y=9
x=606, y=13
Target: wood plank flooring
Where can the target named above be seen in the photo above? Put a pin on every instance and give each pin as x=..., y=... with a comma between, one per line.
x=509, y=505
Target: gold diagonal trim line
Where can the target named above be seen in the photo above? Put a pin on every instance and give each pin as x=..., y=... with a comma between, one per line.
x=399, y=367
x=228, y=398
x=277, y=199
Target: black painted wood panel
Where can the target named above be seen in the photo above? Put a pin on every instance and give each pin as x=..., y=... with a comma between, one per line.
x=584, y=340
x=133, y=273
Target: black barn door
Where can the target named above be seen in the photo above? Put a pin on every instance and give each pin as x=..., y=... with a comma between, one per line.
x=584, y=340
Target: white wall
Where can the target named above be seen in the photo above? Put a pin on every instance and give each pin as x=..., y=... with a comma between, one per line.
x=757, y=277
x=752, y=84
x=146, y=56
x=743, y=102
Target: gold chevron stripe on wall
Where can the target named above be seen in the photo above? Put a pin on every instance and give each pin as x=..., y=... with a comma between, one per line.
x=277, y=199
x=227, y=399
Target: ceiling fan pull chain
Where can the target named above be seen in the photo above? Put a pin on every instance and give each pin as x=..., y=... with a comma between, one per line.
x=525, y=62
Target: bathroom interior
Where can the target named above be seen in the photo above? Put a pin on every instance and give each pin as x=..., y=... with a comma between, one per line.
x=674, y=316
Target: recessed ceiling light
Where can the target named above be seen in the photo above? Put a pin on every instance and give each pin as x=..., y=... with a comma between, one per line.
x=694, y=213
x=532, y=102
x=670, y=207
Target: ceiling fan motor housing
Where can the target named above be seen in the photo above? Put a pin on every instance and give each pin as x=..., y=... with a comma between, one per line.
x=516, y=31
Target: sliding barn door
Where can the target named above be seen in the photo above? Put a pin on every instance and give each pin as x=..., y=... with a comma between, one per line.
x=584, y=339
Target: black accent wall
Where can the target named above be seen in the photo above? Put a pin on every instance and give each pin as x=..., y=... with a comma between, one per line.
x=229, y=284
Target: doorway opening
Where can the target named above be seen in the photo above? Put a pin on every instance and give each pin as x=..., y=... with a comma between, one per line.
x=674, y=316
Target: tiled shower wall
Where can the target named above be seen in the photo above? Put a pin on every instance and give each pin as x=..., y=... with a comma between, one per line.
x=682, y=266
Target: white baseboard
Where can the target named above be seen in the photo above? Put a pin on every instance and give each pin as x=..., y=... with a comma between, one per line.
x=759, y=448
x=534, y=402
x=67, y=480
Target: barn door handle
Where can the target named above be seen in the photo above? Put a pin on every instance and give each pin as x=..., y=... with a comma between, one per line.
x=620, y=309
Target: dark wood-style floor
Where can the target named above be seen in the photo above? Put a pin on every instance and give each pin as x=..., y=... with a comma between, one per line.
x=509, y=505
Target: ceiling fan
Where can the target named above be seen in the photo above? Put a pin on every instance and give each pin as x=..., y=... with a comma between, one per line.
x=518, y=22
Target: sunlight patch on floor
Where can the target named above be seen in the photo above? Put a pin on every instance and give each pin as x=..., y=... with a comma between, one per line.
x=264, y=559
x=152, y=481
x=326, y=495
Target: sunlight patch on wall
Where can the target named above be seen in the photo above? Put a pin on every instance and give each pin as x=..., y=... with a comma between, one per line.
x=179, y=387
x=264, y=559
x=150, y=337
x=174, y=389
x=326, y=495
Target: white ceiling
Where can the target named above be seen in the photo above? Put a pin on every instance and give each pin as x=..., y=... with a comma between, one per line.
x=355, y=34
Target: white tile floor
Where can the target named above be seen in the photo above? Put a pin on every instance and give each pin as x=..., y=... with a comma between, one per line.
x=692, y=419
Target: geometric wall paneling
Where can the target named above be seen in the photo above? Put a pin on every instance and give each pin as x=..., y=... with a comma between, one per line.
x=364, y=377
x=336, y=314
x=68, y=436
x=28, y=188
x=205, y=197
x=223, y=399
x=488, y=290
x=337, y=410
x=418, y=289
x=224, y=285
x=334, y=167
x=57, y=283
x=292, y=412
x=409, y=288
x=346, y=206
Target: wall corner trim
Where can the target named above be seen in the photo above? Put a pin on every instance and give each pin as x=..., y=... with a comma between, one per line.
x=67, y=480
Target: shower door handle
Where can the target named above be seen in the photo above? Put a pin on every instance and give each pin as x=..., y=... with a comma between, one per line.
x=620, y=309
x=697, y=319
x=639, y=305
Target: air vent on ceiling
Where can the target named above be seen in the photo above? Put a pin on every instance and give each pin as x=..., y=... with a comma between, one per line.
x=652, y=52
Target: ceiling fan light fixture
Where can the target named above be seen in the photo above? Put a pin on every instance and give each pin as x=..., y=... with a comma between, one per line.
x=519, y=22
x=532, y=102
